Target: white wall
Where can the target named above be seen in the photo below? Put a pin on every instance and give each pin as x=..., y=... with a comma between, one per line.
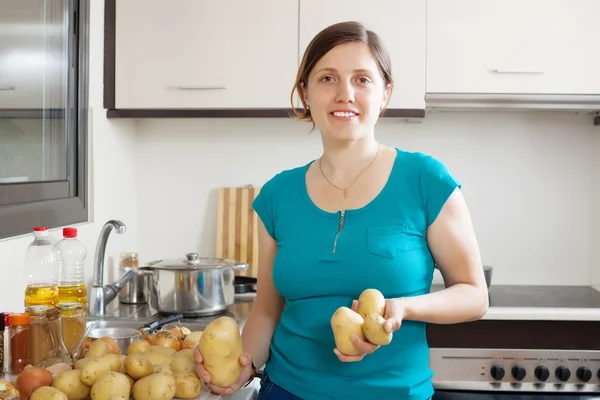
x=527, y=178
x=112, y=173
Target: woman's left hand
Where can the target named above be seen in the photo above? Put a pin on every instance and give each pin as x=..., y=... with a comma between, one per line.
x=394, y=313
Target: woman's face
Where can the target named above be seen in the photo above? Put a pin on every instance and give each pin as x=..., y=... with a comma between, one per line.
x=345, y=92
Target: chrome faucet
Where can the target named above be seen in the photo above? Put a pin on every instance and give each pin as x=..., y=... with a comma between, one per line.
x=101, y=295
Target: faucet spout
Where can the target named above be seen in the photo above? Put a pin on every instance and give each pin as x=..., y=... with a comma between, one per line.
x=100, y=294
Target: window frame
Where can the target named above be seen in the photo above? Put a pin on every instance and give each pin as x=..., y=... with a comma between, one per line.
x=53, y=204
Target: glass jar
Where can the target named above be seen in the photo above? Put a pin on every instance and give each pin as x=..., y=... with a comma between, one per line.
x=46, y=345
x=19, y=342
x=72, y=316
x=129, y=260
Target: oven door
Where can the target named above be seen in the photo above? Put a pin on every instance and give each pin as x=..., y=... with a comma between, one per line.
x=465, y=395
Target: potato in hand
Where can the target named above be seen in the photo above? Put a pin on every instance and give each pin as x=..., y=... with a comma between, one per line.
x=344, y=324
x=374, y=331
x=371, y=301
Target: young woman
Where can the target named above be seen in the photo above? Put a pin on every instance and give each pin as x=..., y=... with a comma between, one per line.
x=361, y=216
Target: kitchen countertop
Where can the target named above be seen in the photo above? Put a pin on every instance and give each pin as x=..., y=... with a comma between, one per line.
x=536, y=302
x=507, y=302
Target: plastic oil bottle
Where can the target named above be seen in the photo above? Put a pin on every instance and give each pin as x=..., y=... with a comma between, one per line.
x=71, y=254
x=41, y=271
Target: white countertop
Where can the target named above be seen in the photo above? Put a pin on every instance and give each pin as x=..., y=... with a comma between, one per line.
x=543, y=313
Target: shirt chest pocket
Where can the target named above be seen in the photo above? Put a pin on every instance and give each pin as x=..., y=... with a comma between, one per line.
x=389, y=241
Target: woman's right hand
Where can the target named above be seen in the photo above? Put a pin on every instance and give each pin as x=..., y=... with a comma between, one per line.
x=245, y=361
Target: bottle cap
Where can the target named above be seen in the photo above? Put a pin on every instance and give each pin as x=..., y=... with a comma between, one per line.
x=40, y=229
x=18, y=319
x=70, y=232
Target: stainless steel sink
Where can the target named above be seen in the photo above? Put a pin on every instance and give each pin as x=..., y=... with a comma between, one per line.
x=136, y=325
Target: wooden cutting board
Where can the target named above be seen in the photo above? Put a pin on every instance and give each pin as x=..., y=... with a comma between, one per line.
x=237, y=229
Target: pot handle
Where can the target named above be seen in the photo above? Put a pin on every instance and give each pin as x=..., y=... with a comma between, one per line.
x=240, y=267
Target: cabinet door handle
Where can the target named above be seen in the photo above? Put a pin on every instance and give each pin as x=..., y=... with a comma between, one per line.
x=6, y=88
x=517, y=71
x=201, y=87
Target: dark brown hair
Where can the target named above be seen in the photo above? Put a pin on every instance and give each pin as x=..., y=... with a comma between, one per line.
x=327, y=39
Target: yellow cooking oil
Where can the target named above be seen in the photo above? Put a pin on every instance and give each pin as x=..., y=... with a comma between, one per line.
x=73, y=294
x=41, y=295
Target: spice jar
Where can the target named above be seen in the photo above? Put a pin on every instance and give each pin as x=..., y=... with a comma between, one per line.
x=129, y=260
x=19, y=342
x=72, y=316
x=2, y=344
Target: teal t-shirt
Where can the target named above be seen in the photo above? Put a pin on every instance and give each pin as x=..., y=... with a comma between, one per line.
x=382, y=245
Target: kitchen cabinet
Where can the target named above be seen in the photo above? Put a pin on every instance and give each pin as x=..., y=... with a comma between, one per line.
x=528, y=47
x=190, y=54
x=401, y=24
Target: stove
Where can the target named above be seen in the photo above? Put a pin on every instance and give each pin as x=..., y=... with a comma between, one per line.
x=530, y=355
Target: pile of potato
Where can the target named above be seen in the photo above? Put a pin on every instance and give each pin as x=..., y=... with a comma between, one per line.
x=146, y=372
x=367, y=322
x=158, y=367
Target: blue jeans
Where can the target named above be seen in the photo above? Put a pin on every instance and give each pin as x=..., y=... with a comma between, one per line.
x=270, y=391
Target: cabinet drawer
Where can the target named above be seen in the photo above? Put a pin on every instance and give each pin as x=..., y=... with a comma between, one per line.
x=205, y=54
x=513, y=46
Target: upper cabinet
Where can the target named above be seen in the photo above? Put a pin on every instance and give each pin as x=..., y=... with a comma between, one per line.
x=401, y=24
x=190, y=54
x=547, y=47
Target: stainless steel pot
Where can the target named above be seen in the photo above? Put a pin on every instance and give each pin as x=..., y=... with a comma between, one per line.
x=193, y=286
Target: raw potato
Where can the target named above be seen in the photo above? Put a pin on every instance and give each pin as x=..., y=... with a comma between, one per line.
x=154, y=387
x=111, y=384
x=122, y=359
x=221, y=349
x=98, y=348
x=374, y=332
x=165, y=351
x=48, y=393
x=69, y=382
x=138, y=346
x=371, y=301
x=92, y=370
x=156, y=358
x=189, y=353
x=163, y=369
x=183, y=365
x=114, y=361
x=344, y=323
x=138, y=366
x=188, y=385
x=79, y=364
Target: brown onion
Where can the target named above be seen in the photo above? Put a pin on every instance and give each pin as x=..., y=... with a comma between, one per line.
x=165, y=339
x=31, y=379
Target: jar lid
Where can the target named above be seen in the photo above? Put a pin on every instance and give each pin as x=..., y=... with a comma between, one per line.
x=70, y=306
x=2, y=321
x=38, y=310
x=131, y=254
x=193, y=261
x=18, y=319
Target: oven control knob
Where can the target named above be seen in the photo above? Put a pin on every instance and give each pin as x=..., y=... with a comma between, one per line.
x=584, y=374
x=542, y=373
x=497, y=372
x=518, y=372
x=563, y=373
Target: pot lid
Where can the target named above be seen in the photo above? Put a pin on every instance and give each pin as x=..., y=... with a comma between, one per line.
x=192, y=261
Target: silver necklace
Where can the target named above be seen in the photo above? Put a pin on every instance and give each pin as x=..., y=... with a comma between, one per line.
x=345, y=190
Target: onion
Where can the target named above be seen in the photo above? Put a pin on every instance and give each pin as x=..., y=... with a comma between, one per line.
x=164, y=339
x=180, y=331
x=113, y=347
x=31, y=379
x=58, y=368
x=8, y=391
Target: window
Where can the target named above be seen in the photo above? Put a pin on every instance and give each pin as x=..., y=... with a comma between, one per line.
x=43, y=109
